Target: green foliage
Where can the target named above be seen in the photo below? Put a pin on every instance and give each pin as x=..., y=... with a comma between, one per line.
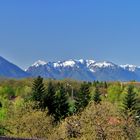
x=27, y=122
x=56, y=101
x=2, y=113
x=72, y=107
x=38, y=91
x=62, y=105
x=114, y=92
x=2, y=130
x=130, y=100
x=7, y=92
x=70, y=104
x=129, y=114
x=100, y=122
x=3, y=110
x=96, y=97
x=49, y=98
x=105, y=85
x=83, y=97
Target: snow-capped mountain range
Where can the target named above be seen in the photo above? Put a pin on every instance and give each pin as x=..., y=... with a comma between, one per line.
x=88, y=70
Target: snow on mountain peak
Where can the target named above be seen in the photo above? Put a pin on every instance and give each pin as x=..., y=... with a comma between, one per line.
x=129, y=67
x=72, y=63
x=104, y=64
x=83, y=69
x=89, y=62
x=68, y=63
x=39, y=63
x=81, y=61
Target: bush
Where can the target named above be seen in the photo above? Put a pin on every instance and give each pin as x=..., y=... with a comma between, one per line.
x=26, y=122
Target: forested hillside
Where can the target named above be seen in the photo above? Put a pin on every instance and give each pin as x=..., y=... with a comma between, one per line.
x=69, y=110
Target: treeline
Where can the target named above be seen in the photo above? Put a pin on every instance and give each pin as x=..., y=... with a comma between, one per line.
x=69, y=109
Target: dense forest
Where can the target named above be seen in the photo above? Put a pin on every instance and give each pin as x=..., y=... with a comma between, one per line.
x=69, y=110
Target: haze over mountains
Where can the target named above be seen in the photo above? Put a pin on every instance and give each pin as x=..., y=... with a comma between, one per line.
x=87, y=70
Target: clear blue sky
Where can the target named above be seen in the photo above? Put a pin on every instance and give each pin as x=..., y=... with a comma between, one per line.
x=64, y=29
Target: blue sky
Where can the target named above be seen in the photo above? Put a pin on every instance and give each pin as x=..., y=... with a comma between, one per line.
x=63, y=29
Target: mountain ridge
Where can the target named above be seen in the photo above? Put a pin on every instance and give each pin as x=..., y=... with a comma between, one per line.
x=10, y=70
x=87, y=70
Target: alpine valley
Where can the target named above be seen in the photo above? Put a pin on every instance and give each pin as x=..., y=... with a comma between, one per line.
x=85, y=70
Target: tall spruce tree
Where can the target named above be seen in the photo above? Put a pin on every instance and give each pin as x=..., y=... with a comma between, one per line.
x=83, y=97
x=96, y=96
x=61, y=102
x=105, y=85
x=38, y=91
x=130, y=114
x=130, y=101
x=49, y=99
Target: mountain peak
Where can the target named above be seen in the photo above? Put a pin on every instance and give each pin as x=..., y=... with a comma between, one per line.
x=85, y=70
x=104, y=64
x=67, y=63
x=39, y=63
x=90, y=62
x=9, y=70
x=129, y=67
x=81, y=61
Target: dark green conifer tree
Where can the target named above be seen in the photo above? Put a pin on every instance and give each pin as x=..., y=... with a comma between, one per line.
x=49, y=99
x=61, y=102
x=130, y=113
x=131, y=105
x=38, y=91
x=105, y=85
x=83, y=97
x=130, y=100
x=96, y=96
